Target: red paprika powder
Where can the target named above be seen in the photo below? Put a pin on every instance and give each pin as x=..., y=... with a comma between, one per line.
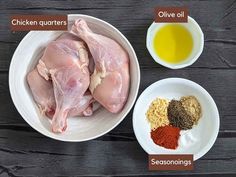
x=166, y=136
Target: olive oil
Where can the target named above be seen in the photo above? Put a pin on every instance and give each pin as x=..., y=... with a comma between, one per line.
x=173, y=43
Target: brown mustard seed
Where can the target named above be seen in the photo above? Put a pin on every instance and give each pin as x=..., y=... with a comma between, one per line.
x=178, y=117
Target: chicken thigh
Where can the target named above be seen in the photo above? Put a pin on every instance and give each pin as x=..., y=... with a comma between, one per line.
x=110, y=80
x=65, y=62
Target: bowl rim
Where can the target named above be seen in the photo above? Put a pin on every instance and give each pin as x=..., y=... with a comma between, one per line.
x=213, y=138
x=11, y=76
x=177, y=66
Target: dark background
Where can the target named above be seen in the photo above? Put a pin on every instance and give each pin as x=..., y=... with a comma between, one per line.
x=25, y=152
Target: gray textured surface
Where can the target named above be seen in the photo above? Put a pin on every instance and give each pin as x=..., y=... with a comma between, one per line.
x=24, y=152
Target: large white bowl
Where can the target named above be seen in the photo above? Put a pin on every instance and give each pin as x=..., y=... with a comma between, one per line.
x=79, y=128
x=196, y=141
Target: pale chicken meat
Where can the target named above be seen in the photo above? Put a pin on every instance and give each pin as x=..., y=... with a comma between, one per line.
x=42, y=92
x=65, y=62
x=84, y=106
x=110, y=80
x=77, y=69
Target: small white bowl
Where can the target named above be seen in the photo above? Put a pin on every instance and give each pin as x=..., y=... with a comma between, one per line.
x=79, y=129
x=198, y=43
x=196, y=141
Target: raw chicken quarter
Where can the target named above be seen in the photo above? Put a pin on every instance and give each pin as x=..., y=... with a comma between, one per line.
x=61, y=83
x=110, y=79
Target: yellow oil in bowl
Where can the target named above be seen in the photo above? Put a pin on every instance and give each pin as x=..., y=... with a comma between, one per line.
x=173, y=43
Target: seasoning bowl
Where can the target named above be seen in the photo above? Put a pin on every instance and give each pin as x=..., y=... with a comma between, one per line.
x=79, y=129
x=196, y=141
x=198, y=43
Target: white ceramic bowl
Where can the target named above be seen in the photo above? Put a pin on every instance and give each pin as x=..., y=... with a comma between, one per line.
x=79, y=128
x=196, y=141
x=198, y=43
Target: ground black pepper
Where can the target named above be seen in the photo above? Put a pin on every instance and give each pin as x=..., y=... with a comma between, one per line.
x=178, y=117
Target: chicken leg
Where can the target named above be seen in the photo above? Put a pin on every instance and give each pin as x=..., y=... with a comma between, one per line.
x=110, y=80
x=65, y=62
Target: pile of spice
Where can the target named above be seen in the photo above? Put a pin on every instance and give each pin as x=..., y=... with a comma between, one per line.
x=167, y=119
x=178, y=117
x=166, y=136
x=157, y=113
x=192, y=107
